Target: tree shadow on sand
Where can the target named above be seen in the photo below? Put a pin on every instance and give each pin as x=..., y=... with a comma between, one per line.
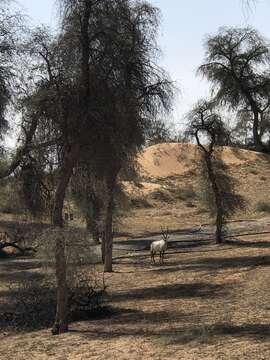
x=220, y=263
x=215, y=331
x=175, y=291
x=215, y=263
x=249, y=244
x=162, y=327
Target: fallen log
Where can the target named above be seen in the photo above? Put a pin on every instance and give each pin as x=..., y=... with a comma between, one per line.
x=13, y=244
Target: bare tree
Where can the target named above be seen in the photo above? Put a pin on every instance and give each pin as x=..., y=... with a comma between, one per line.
x=96, y=88
x=11, y=29
x=160, y=131
x=127, y=86
x=207, y=127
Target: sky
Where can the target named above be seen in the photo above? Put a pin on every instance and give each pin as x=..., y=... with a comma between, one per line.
x=184, y=26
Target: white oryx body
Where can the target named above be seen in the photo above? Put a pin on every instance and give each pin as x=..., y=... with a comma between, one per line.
x=159, y=247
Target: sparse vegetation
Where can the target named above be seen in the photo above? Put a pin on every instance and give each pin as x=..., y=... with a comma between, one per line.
x=254, y=171
x=206, y=126
x=161, y=195
x=140, y=202
x=186, y=193
x=31, y=302
x=263, y=206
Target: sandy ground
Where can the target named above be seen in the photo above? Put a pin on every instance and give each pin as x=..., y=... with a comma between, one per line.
x=205, y=302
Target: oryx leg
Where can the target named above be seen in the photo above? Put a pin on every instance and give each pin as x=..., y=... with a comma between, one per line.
x=163, y=252
x=152, y=258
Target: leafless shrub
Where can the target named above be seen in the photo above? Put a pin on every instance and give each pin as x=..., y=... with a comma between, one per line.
x=161, y=195
x=32, y=305
x=32, y=301
x=186, y=193
x=86, y=294
x=190, y=204
x=140, y=202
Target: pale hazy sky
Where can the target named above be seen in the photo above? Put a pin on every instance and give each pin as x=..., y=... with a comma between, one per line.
x=184, y=26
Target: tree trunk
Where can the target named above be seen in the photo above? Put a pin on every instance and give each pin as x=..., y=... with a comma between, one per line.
x=103, y=246
x=218, y=199
x=93, y=219
x=61, y=317
x=256, y=136
x=219, y=225
x=108, y=226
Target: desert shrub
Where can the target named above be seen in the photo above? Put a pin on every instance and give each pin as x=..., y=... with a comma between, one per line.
x=32, y=305
x=140, y=203
x=32, y=301
x=184, y=194
x=190, y=204
x=161, y=196
x=11, y=202
x=86, y=294
x=253, y=171
x=78, y=247
x=263, y=206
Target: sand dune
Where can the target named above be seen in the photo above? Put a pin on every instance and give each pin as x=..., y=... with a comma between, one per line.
x=171, y=190
x=170, y=159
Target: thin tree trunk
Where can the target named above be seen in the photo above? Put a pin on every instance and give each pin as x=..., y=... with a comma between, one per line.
x=256, y=136
x=103, y=246
x=96, y=220
x=108, y=226
x=218, y=199
x=61, y=317
x=93, y=218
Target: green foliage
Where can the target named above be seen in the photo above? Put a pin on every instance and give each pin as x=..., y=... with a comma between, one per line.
x=236, y=64
x=236, y=58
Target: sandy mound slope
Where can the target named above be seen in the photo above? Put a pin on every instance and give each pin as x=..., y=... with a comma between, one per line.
x=172, y=192
x=169, y=159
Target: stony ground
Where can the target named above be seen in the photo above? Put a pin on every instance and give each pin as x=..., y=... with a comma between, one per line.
x=205, y=302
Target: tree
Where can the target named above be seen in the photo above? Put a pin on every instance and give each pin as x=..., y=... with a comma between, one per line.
x=51, y=110
x=237, y=62
x=206, y=126
x=95, y=91
x=11, y=26
x=133, y=87
x=88, y=193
